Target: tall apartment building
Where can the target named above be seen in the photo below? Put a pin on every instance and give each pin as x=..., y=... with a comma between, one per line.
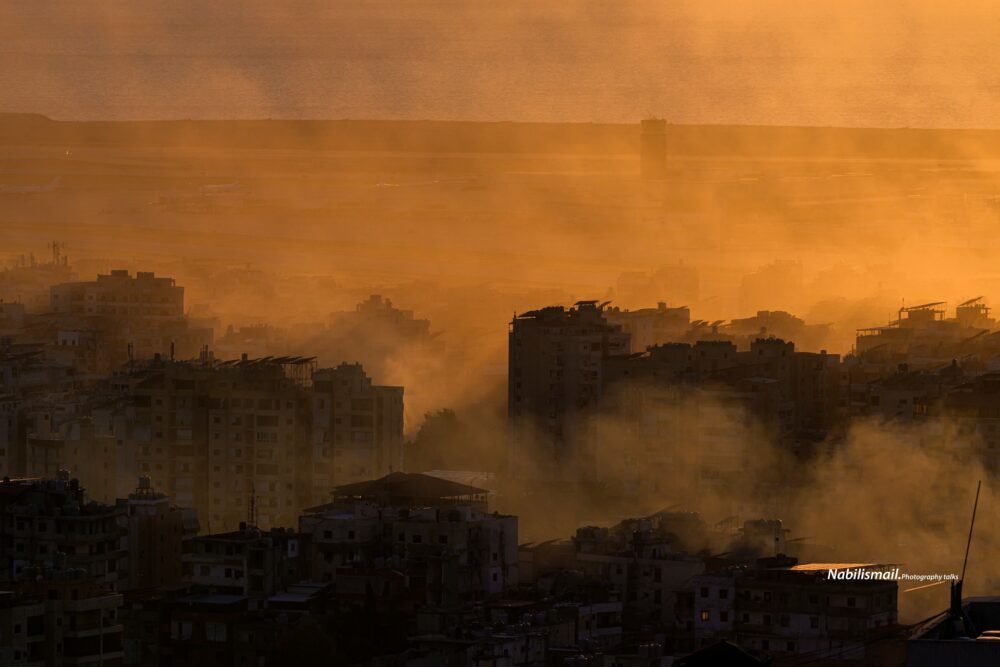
x=794, y=395
x=276, y=432
x=357, y=428
x=214, y=435
x=556, y=360
x=61, y=435
x=156, y=532
x=27, y=379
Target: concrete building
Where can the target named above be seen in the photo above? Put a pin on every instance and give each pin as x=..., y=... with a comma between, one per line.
x=60, y=435
x=58, y=618
x=646, y=565
x=246, y=562
x=145, y=296
x=774, y=324
x=692, y=411
x=50, y=523
x=556, y=367
x=155, y=538
x=27, y=379
x=178, y=627
x=215, y=434
x=437, y=532
x=905, y=396
x=789, y=609
x=357, y=428
x=922, y=337
x=651, y=326
x=101, y=323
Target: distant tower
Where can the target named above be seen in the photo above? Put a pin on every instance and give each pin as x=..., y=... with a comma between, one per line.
x=654, y=149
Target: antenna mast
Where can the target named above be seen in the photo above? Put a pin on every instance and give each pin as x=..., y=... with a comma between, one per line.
x=252, y=518
x=972, y=524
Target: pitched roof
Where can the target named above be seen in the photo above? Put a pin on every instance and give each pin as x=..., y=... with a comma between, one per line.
x=408, y=485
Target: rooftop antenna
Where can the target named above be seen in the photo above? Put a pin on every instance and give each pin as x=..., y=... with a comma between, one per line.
x=963, y=626
x=252, y=515
x=972, y=524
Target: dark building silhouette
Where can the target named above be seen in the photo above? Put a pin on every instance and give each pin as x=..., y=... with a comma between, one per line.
x=654, y=149
x=555, y=379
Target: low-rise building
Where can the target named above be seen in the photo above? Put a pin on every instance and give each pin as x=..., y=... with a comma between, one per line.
x=60, y=617
x=789, y=609
x=438, y=532
x=246, y=562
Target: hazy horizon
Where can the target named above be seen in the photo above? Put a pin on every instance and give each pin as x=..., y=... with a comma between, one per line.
x=900, y=64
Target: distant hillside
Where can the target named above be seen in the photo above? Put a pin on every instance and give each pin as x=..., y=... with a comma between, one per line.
x=478, y=137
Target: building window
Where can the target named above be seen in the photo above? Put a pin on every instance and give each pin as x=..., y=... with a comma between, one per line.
x=723, y=593
x=704, y=591
x=215, y=632
x=705, y=616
